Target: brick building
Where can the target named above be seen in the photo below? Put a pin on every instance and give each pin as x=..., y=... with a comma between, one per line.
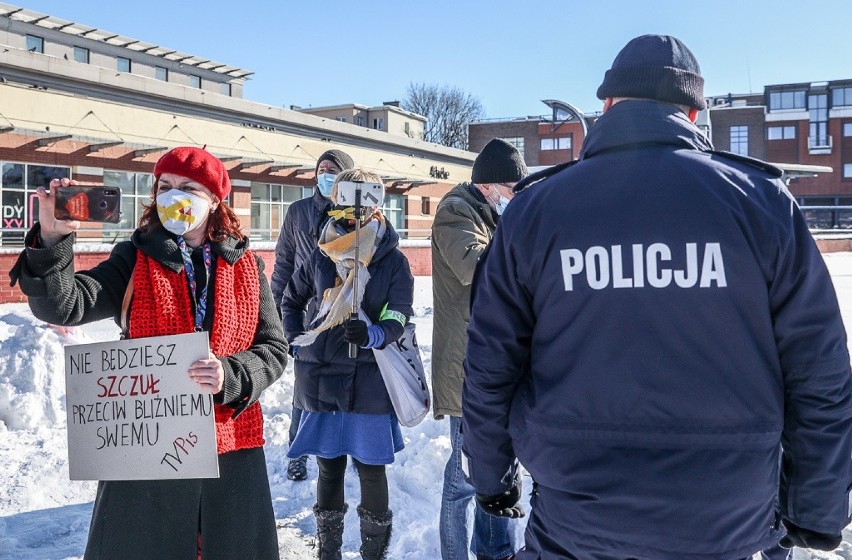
x=102, y=108
x=543, y=140
x=801, y=124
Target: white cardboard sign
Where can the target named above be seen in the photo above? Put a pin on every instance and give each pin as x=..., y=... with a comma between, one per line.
x=134, y=413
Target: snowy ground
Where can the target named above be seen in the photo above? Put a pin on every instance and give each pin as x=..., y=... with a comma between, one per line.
x=44, y=516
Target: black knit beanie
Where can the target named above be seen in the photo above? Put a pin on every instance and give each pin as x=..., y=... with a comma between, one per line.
x=340, y=158
x=498, y=162
x=658, y=67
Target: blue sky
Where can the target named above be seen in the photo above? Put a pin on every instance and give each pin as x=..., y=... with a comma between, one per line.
x=509, y=54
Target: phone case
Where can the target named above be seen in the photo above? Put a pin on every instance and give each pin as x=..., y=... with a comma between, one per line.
x=88, y=204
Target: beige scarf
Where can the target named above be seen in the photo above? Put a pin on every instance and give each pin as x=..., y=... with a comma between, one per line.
x=336, y=304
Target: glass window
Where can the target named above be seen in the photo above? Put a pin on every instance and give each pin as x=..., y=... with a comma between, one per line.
x=341, y=119
x=818, y=116
x=225, y=89
x=781, y=132
x=739, y=140
x=35, y=43
x=359, y=120
x=841, y=96
x=269, y=204
x=548, y=143
x=161, y=73
x=135, y=195
x=517, y=142
x=122, y=64
x=847, y=170
x=81, y=55
x=18, y=202
x=563, y=143
x=847, y=129
x=379, y=124
x=195, y=81
x=392, y=210
x=786, y=100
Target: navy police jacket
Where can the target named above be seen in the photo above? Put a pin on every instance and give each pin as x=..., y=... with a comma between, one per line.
x=327, y=379
x=651, y=327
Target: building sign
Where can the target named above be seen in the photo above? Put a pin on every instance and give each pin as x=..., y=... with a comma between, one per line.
x=134, y=413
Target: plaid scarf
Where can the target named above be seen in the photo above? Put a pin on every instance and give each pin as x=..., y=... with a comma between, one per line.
x=336, y=304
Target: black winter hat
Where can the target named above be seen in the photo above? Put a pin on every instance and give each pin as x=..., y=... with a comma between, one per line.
x=656, y=67
x=498, y=162
x=340, y=158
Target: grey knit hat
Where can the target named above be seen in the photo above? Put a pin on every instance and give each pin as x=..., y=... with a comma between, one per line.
x=658, y=67
x=498, y=162
x=340, y=158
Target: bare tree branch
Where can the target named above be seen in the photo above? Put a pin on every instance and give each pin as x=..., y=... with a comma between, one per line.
x=448, y=111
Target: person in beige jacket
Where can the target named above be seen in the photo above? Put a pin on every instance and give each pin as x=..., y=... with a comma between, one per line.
x=464, y=224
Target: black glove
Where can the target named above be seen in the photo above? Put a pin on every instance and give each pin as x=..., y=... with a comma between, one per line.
x=805, y=538
x=503, y=505
x=356, y=332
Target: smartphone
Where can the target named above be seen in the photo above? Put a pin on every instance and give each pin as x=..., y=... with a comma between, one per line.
x=372, y=194
x=87, y=203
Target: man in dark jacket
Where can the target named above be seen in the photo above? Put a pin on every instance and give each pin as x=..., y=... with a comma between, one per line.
x=652, y=330
x=463, y=227
x=296, y=242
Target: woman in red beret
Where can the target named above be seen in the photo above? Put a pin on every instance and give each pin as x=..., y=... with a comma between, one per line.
x=188, y=268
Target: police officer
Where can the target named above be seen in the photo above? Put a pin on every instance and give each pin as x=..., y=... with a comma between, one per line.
x=651, y=328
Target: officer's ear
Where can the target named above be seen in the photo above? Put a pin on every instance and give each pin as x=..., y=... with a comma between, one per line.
x=693, y=114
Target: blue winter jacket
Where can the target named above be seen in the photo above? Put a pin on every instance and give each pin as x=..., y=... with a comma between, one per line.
x=649, y=328
x=327, y=379
x=297, y=240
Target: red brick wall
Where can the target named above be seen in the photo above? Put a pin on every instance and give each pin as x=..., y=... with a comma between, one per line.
x=419, y=257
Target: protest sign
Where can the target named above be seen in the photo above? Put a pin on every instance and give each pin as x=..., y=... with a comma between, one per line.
x=134, y=413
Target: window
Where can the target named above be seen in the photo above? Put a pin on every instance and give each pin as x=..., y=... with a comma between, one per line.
x=35, y=43
x=341, y=119
x=739, y=140
x=359, y=120
x=81, y=55
x=425, y=206
x=225, y=89
x=841, y=97
x=781, y=132
x=135, y=193
x=161, y=73
x=786, y=100
x=847, y=170
x=407, y=128
x=392, y=211
x=195, y=81
x=818, y=117
x=122, y=64
x=379, y=124
x=18, y=202
x=561, y=143
x=517, y=142
x=847, y=129
x=269, y=204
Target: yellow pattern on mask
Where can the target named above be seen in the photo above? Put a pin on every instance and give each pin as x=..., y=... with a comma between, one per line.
x=346, y=213
x=173, y=212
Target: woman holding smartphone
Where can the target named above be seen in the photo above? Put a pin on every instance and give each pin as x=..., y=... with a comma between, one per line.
x=186, y=268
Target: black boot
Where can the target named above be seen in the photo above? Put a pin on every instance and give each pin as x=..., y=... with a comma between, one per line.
x=329, y=532
x=375, y=534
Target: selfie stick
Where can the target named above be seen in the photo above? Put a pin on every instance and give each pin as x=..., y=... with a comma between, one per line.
x=353, y=348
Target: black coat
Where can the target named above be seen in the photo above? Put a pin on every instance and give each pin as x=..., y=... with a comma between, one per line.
x=327, y=379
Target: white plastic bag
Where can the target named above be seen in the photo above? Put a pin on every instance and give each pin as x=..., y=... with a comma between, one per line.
x=402, y=371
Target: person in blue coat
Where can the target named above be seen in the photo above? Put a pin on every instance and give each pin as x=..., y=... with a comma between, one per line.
x=346, y=407
x=297, y=240
x=655, y=336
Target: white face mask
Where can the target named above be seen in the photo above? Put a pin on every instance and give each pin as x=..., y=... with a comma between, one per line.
x=501, y=203
x=181, y=211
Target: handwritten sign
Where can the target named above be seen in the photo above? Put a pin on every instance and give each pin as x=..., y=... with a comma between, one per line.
x=134, y=413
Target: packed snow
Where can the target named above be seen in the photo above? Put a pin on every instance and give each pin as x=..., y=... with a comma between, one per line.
x=44, y=516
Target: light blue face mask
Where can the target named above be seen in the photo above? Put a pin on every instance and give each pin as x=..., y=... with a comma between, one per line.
x=501, y=205
x=325, y=181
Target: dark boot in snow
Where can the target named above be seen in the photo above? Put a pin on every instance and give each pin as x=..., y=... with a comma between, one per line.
x=375, y=534
x=297, y=469
x=329, y=532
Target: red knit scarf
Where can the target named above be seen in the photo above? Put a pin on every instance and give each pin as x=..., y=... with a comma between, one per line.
x=161, y=306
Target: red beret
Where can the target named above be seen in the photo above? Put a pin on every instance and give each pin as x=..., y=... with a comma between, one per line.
x=197, y=164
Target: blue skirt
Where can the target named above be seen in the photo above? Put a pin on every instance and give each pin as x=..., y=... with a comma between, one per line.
x=371, y=438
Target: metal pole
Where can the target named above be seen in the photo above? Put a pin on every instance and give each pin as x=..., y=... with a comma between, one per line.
x=353, y=348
